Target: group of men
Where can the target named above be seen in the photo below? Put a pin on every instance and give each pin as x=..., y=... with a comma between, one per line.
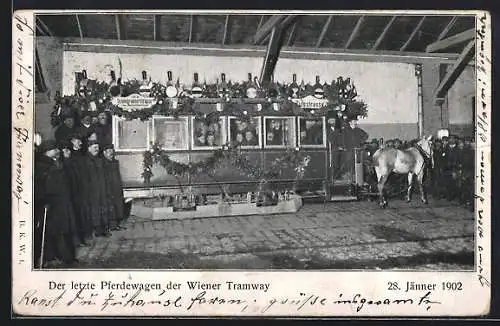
x=454, y=169
x=78, y=190
x=452, y=176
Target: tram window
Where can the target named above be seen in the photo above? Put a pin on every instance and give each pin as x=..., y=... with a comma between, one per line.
x=312, y=132
x=245, y=132
x=171, y=133
x=206, y=134
x=279, y=132
x=130, y=135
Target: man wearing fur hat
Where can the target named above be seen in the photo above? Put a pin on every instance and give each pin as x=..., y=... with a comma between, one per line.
x=114, y=188
x=86, y=128
x=52, y=192
x=94, y=190
x=65, y=129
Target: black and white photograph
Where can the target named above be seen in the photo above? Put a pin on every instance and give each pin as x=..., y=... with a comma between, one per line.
x=410, y=133
x=357, y=151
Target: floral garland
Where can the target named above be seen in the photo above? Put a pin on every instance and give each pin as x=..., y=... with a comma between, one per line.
x=231, y=154
x=95, y=96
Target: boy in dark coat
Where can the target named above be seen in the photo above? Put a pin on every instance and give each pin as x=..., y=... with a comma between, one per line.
x=94, y=190
x=54, y=194
x=114, y=188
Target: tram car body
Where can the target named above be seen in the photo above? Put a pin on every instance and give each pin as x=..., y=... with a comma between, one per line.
x=187, y=139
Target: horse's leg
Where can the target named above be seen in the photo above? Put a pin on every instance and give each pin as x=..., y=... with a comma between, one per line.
x=410, y=183
x=382, y=178
x=420, y=179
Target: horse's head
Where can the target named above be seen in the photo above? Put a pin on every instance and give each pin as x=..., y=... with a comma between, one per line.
x=427, y=147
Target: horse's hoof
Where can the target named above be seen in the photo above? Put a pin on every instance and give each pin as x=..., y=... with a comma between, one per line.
x=408, y=200
x=425, y=201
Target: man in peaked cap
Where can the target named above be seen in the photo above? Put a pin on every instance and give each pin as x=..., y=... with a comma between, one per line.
x=52, y=192
x=94, y=191
x=114, y=188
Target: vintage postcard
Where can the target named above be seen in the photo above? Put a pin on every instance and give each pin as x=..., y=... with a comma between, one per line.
x=251, y=163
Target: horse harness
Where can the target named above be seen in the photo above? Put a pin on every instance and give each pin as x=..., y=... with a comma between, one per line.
x=423, y=153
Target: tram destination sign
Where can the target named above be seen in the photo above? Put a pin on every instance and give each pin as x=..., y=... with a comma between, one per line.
x=134, y=102
x=310, y=102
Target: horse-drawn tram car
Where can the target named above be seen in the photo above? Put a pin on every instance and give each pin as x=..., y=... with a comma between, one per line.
x=184, y=147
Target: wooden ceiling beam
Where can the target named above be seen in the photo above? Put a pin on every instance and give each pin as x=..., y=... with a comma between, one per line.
x=156, y=27
x=451, y=76
x=384, y=33
x=191, y=28
x=324, y=30
x=227, y=30
x=120, y=28
x=80, y=30
x=413, y=33
x=355, y=31
x=46, y=29
x=272, y=55
x=452, y=40
x=293, y=33
x=447, y=28
x=267, y=28
x=40, y=30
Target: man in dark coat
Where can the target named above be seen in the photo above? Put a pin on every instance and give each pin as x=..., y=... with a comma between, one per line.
x=66, y=129
x=103, y=129
x=451, y=168
x=86, y=128
x=465, y=173
x=336, y=141
x=75, y=166
x=54, y=194
x=438, y=188
x=354, y=137
x=94, y=190
x=114, y=188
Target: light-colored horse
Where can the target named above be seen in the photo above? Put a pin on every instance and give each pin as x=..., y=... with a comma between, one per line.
x=411, y=161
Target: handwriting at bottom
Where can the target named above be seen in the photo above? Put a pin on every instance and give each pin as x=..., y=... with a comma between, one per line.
x=139, y=299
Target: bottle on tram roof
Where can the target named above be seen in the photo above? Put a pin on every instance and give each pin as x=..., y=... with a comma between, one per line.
x=251, y=90
x=294, y=87
x=113, y=77
x=196, y=89
x=114, y=86
x=302, y=88
x=272, y=91
x=223, y=85
x=81, y=82
x=319, y=92
x=145, y=88
x=171, y=90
